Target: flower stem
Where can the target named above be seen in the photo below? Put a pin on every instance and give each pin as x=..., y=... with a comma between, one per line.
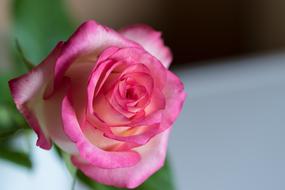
x=74, y=181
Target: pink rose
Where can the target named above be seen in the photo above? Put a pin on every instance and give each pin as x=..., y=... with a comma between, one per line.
x=107, y=99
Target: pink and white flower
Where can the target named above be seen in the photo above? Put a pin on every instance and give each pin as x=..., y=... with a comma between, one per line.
x=107, y=98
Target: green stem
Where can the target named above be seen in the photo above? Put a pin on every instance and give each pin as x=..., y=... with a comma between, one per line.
x=74, y=180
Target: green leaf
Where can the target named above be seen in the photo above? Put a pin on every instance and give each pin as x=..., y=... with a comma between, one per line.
x=11, y=124
x=15, y=156
x=5, y=96
x=92, y=184
x=160, y=180
x=163, y=179
x=39, y=25
x=9, y=132
x=10, y=121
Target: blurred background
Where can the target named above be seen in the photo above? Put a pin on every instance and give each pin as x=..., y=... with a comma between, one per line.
x=196, y=30
x=229, y=53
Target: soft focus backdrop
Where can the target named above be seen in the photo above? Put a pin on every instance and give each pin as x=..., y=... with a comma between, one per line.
x=194, y=29
x=230, y=55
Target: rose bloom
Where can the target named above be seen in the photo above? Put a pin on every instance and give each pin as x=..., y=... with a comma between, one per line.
x=107, y=99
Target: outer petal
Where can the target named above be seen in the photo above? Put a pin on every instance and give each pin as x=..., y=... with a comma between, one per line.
x=175, y=97
x=27, y=92
x=90, y=152
x=151, y=40
x=153, y=156
x=90, y=39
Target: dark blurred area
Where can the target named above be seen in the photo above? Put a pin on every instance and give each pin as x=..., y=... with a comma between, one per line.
x=196, y=30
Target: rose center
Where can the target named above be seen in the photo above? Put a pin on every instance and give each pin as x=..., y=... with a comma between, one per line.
x=131, y=94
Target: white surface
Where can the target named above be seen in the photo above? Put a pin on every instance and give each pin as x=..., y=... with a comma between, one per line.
x=48, y=174
x=230, y=135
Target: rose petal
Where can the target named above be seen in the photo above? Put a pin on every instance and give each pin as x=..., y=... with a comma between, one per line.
x=91, y=153
x=89, y=39
x=175, y=96
x=135, y=57
x=27, y=92
x=100, y=71
x=97, y=138
x=151, y=40
x=152, y=159
x=142, y=138
x=157, y=103
x=107, y=113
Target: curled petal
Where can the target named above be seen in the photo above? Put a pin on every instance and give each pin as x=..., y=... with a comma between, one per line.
x=92, y=154
x=99, y=73
x=138, y=59
x=153, y=119
x=89, y=39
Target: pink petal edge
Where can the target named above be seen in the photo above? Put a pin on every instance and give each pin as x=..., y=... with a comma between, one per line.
x=153, y=156
x=150, y=40
x=26, y=87
x=90, y=37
